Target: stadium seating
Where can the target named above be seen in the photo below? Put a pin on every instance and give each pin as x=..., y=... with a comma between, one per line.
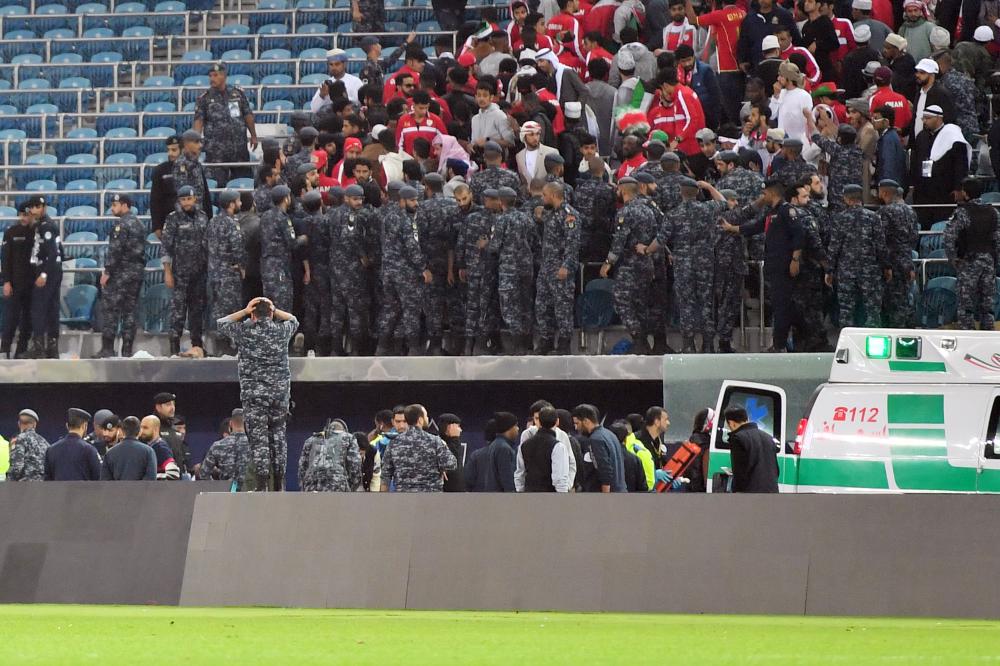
x=939, y=302
x=78, y=306
x=154, y=308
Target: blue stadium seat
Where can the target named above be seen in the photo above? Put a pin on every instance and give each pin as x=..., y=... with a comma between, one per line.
x=155, y=158
x=59, y=33
x=160, y=107
x=8, y=123
x=274, y=36
x=196, y=81
x=122, y=19
x=76, y=83
x=117, y=114
x=304, y=40
x=64, y=149
x=72, y=69
x=271, y=90
x=33, y=124
x=420, y=11
x=304, y=16
x=164, y=22
x=231, y=33
x=199, y=62
x=89, y=277
x=939, y=302
x=56, y=16
x=34, y=85
x=159, y=132
x=24, y=176
x=257, y=21
x=41, y=185
x=154, y=308
x=138, y=48
x=268, y=68
x=149, y=93
x=26, y=59
x=240, y=184
x=940, y=226
x=153, y=247
x=95, y=40
x=107, y=57
x=6, y=85
x=935, y=269
x=155, y=276
x=120, y=159
x=313, y=79
x=84, y=193
x=422, y=29
x=991, y=197
x=91, y=8
x=189, y=106
x=237, y=63
x=356, y=60
x=279, y=105
x=312, y=61
x=78, y=306
x=10, y=145
x=929, y=243
x=81, y=218
x=241, y=80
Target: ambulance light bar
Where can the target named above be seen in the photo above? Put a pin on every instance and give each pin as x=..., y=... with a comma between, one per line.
x=907, y=347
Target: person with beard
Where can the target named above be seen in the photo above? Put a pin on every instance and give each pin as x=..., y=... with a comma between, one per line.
x=450, y=429
x=165, y=408
x=916, y=30
x=702, y=163
x=166, y=466
x=902, y=65
x=939, y=162
x=632, y=157
x=930, y=93
x=701, y=78
x=679, y=113
x=819, y=36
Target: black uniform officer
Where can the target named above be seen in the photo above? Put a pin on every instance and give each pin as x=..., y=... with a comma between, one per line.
x=163, y=193
x=18, y=279
x=46, y=260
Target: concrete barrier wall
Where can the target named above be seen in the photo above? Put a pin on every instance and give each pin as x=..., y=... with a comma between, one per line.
x=930, y=555
x=95, y=543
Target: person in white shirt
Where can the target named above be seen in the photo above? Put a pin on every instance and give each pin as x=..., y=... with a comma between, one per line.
x=558, y=459
x=789, y=100
x=336, y=62
x=561, y=435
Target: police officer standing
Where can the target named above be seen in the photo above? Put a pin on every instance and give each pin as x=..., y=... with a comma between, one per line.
x=473, y=223
x=71, y=458
x=858, y=260
x=163, y=192
x=228, y=459
x=330, y=461
x=902, y=230
x=434, y=218
x=972, y=242
x=557, y=277
x=188, y=170
x=348, y=272
x=511, y=242
x=46, y=258
x=265, y=384
x=224, y=116
x=277, y=241
x=184, y=266
x=404, y=274
x=27, y=453
x=226, y=260
x=165, y=407
x=122, y=277
x=18, y=279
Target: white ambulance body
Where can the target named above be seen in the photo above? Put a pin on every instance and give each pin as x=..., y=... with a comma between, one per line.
x=903, y=411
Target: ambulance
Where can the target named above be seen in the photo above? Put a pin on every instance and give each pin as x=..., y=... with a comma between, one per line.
x=904, y=411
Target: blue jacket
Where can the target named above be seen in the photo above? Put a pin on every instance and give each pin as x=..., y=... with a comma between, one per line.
x=705, y=83
x=757, y=26
x=890, y=158
x=609, y=458
x=500, y=465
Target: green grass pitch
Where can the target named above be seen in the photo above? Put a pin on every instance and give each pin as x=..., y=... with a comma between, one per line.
x=37, y=634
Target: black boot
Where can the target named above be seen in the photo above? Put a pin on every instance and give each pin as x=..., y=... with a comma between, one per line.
x=52, y=347
x=384, y=347
x=175, y=346
x=358, y=345
x=561, y=348
x=544, y=346
x=470, y=346
x=707, y=345
x=688, y=347
x=36, y=348
x=435, y=348
x=107, y=347
x=726, y=347
x=414, y=347
x=23, y=347
x=333, y=346
x=127, y=347
x=5, y=348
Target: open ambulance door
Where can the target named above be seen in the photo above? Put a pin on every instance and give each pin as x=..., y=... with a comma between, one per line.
x=765, y=405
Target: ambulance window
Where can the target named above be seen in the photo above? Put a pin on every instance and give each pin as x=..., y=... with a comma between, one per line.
x=763, y=407
x=991, y=431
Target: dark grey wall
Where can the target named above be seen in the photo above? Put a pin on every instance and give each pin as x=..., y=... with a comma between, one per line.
x=95, y=543
x=928, y=555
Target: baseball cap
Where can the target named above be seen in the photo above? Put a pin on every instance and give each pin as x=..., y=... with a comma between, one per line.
x=507, y=193
x=218, y=67
x=185, y=191
x=77, y=413
x=407, y=192
x=704, y=134
x=769, y=43
x=378, y=129
x=871, y=67
x=368, y=42
x=279, y=193
x=491, y=193
x=791, y=142
x=353, y=143
x=645, y=178
x=448, y=419
x=308, y=132
x=227, y=197
x=883, y=75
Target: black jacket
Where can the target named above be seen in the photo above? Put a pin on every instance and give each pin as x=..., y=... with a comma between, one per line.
x=652, y=445
x=696, y=472
x=475, y=470
x=15, y=264
x=754, y=460
x=162, y=195
x=72, y=459
x=936, y=95
x=852, y=70
x=129, y=460
x=536, y=453
x=635, y=476
x=455, y=483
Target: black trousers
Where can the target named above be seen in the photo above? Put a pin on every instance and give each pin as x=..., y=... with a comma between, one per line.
x=18, y=313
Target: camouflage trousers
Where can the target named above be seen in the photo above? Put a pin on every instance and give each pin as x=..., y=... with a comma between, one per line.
x=402, y=305
x=227, y=293
x=482, y=308
x=318, y=304
x=976, y=292
x=188, y=303
x=435, y=301
x=629, y=292
x=897, y=306
x=350, y=301
x=119, y=300
x=807, y=297
x=693, y=294
x=728, y=299
x=265, y=425
x=277, y=282
x=515, y=303
x=660, y=291
x=863, y=288
x=554, y=305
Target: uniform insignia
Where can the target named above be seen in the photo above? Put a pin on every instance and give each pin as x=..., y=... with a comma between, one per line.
x=48, y=235
x=571, y=222
x=792, y=212
x=118, y=228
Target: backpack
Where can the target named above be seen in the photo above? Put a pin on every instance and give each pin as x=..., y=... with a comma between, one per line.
x=326, y=456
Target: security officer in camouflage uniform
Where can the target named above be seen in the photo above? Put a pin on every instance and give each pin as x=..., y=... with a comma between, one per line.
x=972, y=242
x=188, y=170
x=557, y=276
x=488, y=308
x=858, y=260
x=474, y=224
x=27, y=454
x=46, y=260
x=315, y=225
x=690, y=231
x=494, y=175
x=405, y=274
x=226, y=262
x=265, y=384
x=730, y=270
x=733, y=175
x=807, y=288
x=229, y=458
x=224, y=116
x=330, y=461
x=185, y=262
x=659, y=288
x=668, y=185
x=121, y=280
x=368, y=15
x=416, y=461
x=654, y=151
x=555, y=166
x=635, y=229
x=434, y=219
x=902, y=230
x=846, y=161
x=277, y=241
x=270, y=177
x=595, y=199
x=511, y=244
x=350, y=270
x=307, y=139
x=794, y=169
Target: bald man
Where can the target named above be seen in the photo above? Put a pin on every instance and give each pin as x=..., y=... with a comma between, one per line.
x=166, y=466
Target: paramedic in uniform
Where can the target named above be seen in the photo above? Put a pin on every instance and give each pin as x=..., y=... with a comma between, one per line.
x=224, y=117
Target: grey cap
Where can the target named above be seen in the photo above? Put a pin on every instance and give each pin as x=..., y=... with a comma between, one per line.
x=729, y=194
x=688, y=182
x=407, y=192
x=191, y=135
x=29, y=412
x=312, y=197
x=335, y=192
x=185, y=191
x=102, y=416
x=645, y=178
x=368, y=42
x=395, y=186
x=507, y=193
x=434, y=177
x=305, y=168
x=554, y=158
x=309, y=132
x=279, y=193
x=852, y=189
x=354, y=191
x=227, y=197
x=888, y=182
x=628, y=180
x=728, y=156
x=670, y=157
x=76, y=412
x=791, y=143
x=493, y=147
x=491, y=193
